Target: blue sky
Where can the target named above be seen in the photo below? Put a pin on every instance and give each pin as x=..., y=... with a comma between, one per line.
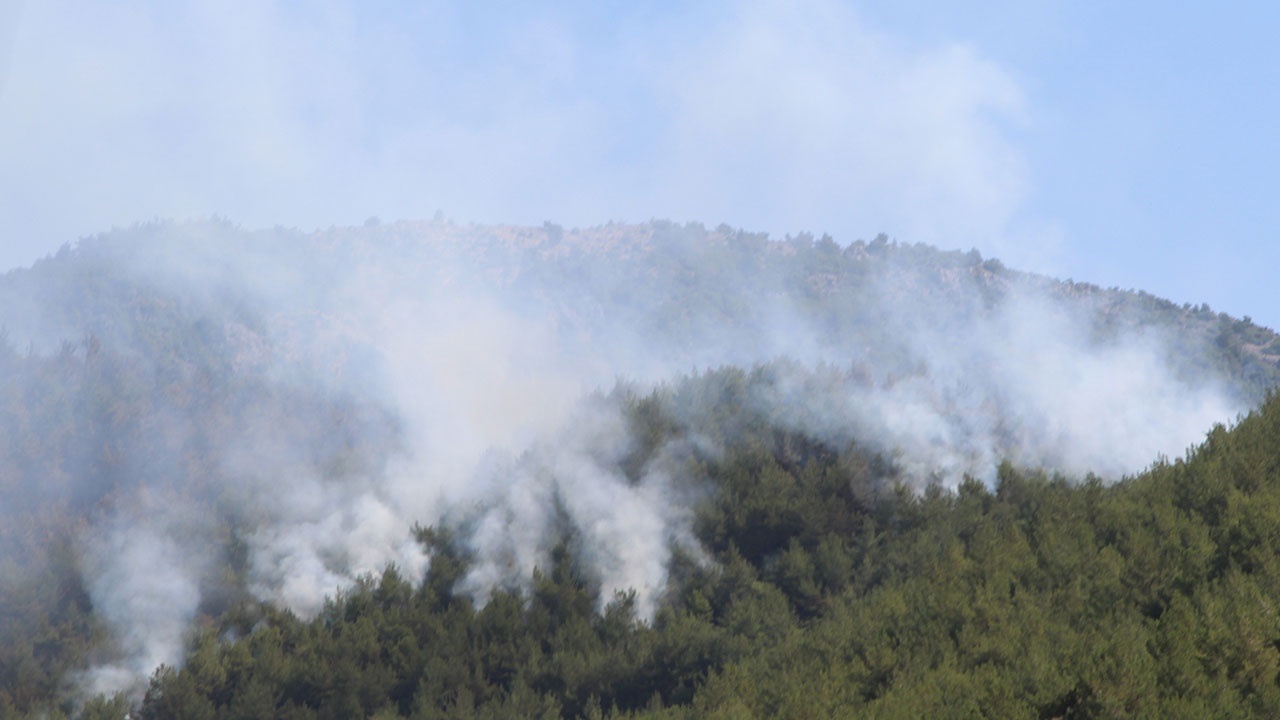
x=1127, y=144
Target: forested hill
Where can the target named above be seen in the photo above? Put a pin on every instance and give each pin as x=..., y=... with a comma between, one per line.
x=1035, y=598
x=215, y=441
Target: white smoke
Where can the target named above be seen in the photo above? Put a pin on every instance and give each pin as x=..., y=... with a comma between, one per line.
x=625, y=527
x=1024, y=381
x=484, y=367
x=144, y=575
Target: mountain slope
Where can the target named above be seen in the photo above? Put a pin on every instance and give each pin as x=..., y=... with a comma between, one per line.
x=196, y=418
x=1035, y=598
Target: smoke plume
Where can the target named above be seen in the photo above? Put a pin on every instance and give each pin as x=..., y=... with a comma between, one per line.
x=316, y=396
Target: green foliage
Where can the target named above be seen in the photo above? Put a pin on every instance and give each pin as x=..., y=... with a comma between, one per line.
x=1038, y=598
x=828, y=591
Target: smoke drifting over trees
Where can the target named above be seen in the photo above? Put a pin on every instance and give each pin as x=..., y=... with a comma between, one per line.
x=203, y=414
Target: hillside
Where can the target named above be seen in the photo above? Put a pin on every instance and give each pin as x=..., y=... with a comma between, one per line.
x=1037, y=598
x=207, y=432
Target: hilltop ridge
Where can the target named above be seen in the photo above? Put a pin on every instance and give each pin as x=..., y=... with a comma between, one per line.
x=577, y=275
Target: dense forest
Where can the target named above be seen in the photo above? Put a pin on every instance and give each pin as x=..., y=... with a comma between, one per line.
x=823, y=594
x=424, y=470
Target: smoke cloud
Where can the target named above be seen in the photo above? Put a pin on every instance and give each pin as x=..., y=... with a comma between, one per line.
x=324, y=393
x=767, y=114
